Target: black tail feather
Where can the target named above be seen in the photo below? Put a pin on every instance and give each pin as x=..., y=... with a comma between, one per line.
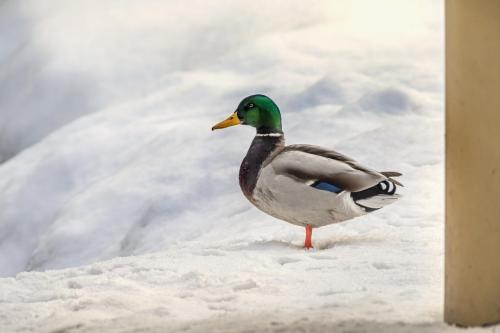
x=384, y=187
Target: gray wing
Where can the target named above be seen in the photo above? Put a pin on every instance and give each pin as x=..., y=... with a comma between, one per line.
x=312, y=163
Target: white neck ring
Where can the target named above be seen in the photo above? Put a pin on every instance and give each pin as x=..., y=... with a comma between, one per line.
x=269, y=134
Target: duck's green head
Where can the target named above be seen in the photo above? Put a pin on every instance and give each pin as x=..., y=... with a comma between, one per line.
x=258, y=111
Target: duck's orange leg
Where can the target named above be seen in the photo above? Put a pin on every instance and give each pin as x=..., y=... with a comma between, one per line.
x=308, y=241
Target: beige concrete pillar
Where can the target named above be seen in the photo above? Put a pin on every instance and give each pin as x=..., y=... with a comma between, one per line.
x=472, y=278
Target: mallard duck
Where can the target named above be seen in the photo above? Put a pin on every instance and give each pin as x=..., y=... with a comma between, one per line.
x=302, y=184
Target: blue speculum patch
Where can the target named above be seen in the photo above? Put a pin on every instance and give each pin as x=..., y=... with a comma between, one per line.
x=326, y=187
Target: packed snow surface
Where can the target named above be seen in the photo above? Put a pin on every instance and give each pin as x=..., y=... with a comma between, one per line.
x=121, y=211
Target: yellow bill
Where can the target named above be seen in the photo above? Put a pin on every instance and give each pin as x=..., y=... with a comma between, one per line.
x=231, y=121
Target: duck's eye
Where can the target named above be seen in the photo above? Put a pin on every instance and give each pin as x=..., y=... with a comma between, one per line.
x=250, y=105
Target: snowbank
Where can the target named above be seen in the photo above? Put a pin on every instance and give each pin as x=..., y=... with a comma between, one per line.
x=145, y=171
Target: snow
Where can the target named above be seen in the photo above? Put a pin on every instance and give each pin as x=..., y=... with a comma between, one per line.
x=120, y=210
x=352, y=282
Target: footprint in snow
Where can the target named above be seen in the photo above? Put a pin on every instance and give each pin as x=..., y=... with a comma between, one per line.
x=320, y=257
x=221, y=299
x=245, y=285
x=329, y=293
x=74, y=285
x=381, y=265
x=286, y=260
x=224, y=308
x=185, y=295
